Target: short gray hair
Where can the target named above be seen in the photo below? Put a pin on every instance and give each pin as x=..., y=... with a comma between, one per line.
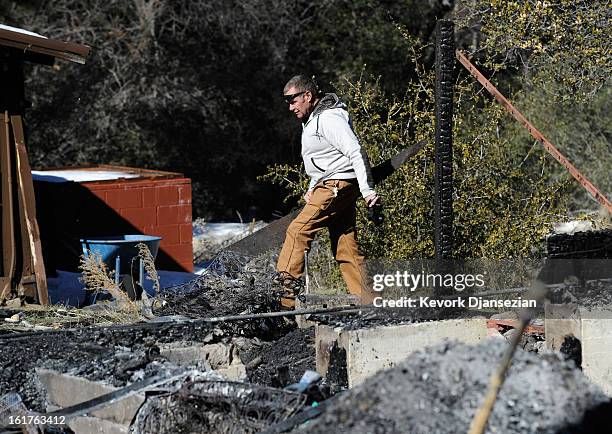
x=301, y=83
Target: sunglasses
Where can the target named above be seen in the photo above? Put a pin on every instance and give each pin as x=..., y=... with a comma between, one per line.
x=289, y=98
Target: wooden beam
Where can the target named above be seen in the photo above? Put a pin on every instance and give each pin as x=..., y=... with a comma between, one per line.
x=552, y=150
x=26, y=193
x=8, y=236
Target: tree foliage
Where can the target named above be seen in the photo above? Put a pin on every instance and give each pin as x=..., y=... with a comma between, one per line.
x=195, y=86
x=562, y=41
x=508, y=191
x=553, y=60
x=175, y=86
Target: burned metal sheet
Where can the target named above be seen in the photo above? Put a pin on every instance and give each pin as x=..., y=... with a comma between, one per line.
x=266, y=239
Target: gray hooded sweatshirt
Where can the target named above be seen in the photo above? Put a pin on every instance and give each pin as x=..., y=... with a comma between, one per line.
x=330, y=148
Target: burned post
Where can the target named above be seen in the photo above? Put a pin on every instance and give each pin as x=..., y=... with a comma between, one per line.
x=445, y=62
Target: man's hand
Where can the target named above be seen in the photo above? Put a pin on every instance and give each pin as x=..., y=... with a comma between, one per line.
x=372, y=200
x=374, y=208
x=307, y=196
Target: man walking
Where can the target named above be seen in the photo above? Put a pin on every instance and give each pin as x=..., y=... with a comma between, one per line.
x=339, y=173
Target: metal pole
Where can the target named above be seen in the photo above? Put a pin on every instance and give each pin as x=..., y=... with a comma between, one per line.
x=552, y=150
x=117, y=264
x=141, y=274
x=306, y=278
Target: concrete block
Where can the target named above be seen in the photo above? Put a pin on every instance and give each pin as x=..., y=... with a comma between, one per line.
x=560, y=320
x=597, y=351
x=95, y=425
x=593, y=327
x=217, y=355
x=367, y=351
x=234, y=372
x=64, y=390
x=221, y=358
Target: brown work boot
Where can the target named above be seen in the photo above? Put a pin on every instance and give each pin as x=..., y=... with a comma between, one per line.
x=289, y=288
x=288, y=303
x=285, y=282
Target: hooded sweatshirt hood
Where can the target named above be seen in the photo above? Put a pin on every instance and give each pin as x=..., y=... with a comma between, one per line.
x=329, y=101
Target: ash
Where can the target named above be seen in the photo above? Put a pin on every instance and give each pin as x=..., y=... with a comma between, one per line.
x=439, y=390
x=281, y=362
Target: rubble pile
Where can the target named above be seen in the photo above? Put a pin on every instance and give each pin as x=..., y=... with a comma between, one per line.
x=531, y=342
x=440, y=388
x=122, y=354
x=435, y=390
x=281, y=362
x=216, y=407
x=117, y=355
x=232, y=284
x=592, y=294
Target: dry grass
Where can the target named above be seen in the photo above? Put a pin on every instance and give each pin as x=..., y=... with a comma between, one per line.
x=59, y=316
x=149, y=265
x=95, y=276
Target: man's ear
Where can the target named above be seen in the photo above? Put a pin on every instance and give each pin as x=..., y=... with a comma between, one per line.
x=308, y=95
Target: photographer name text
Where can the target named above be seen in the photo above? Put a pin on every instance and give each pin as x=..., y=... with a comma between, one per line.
x=458, y=302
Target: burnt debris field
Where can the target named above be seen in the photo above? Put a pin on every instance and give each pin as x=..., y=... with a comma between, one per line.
x=232, y=376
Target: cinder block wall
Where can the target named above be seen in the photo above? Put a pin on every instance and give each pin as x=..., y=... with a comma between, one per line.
x=149, y=204
x=154, y=207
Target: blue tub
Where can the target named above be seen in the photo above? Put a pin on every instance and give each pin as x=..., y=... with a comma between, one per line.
x=119, y=248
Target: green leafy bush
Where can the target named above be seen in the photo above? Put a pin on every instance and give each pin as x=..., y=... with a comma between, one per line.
x=559, y=41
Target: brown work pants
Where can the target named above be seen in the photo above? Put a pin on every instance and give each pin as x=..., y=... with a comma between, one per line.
x=331, y=205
